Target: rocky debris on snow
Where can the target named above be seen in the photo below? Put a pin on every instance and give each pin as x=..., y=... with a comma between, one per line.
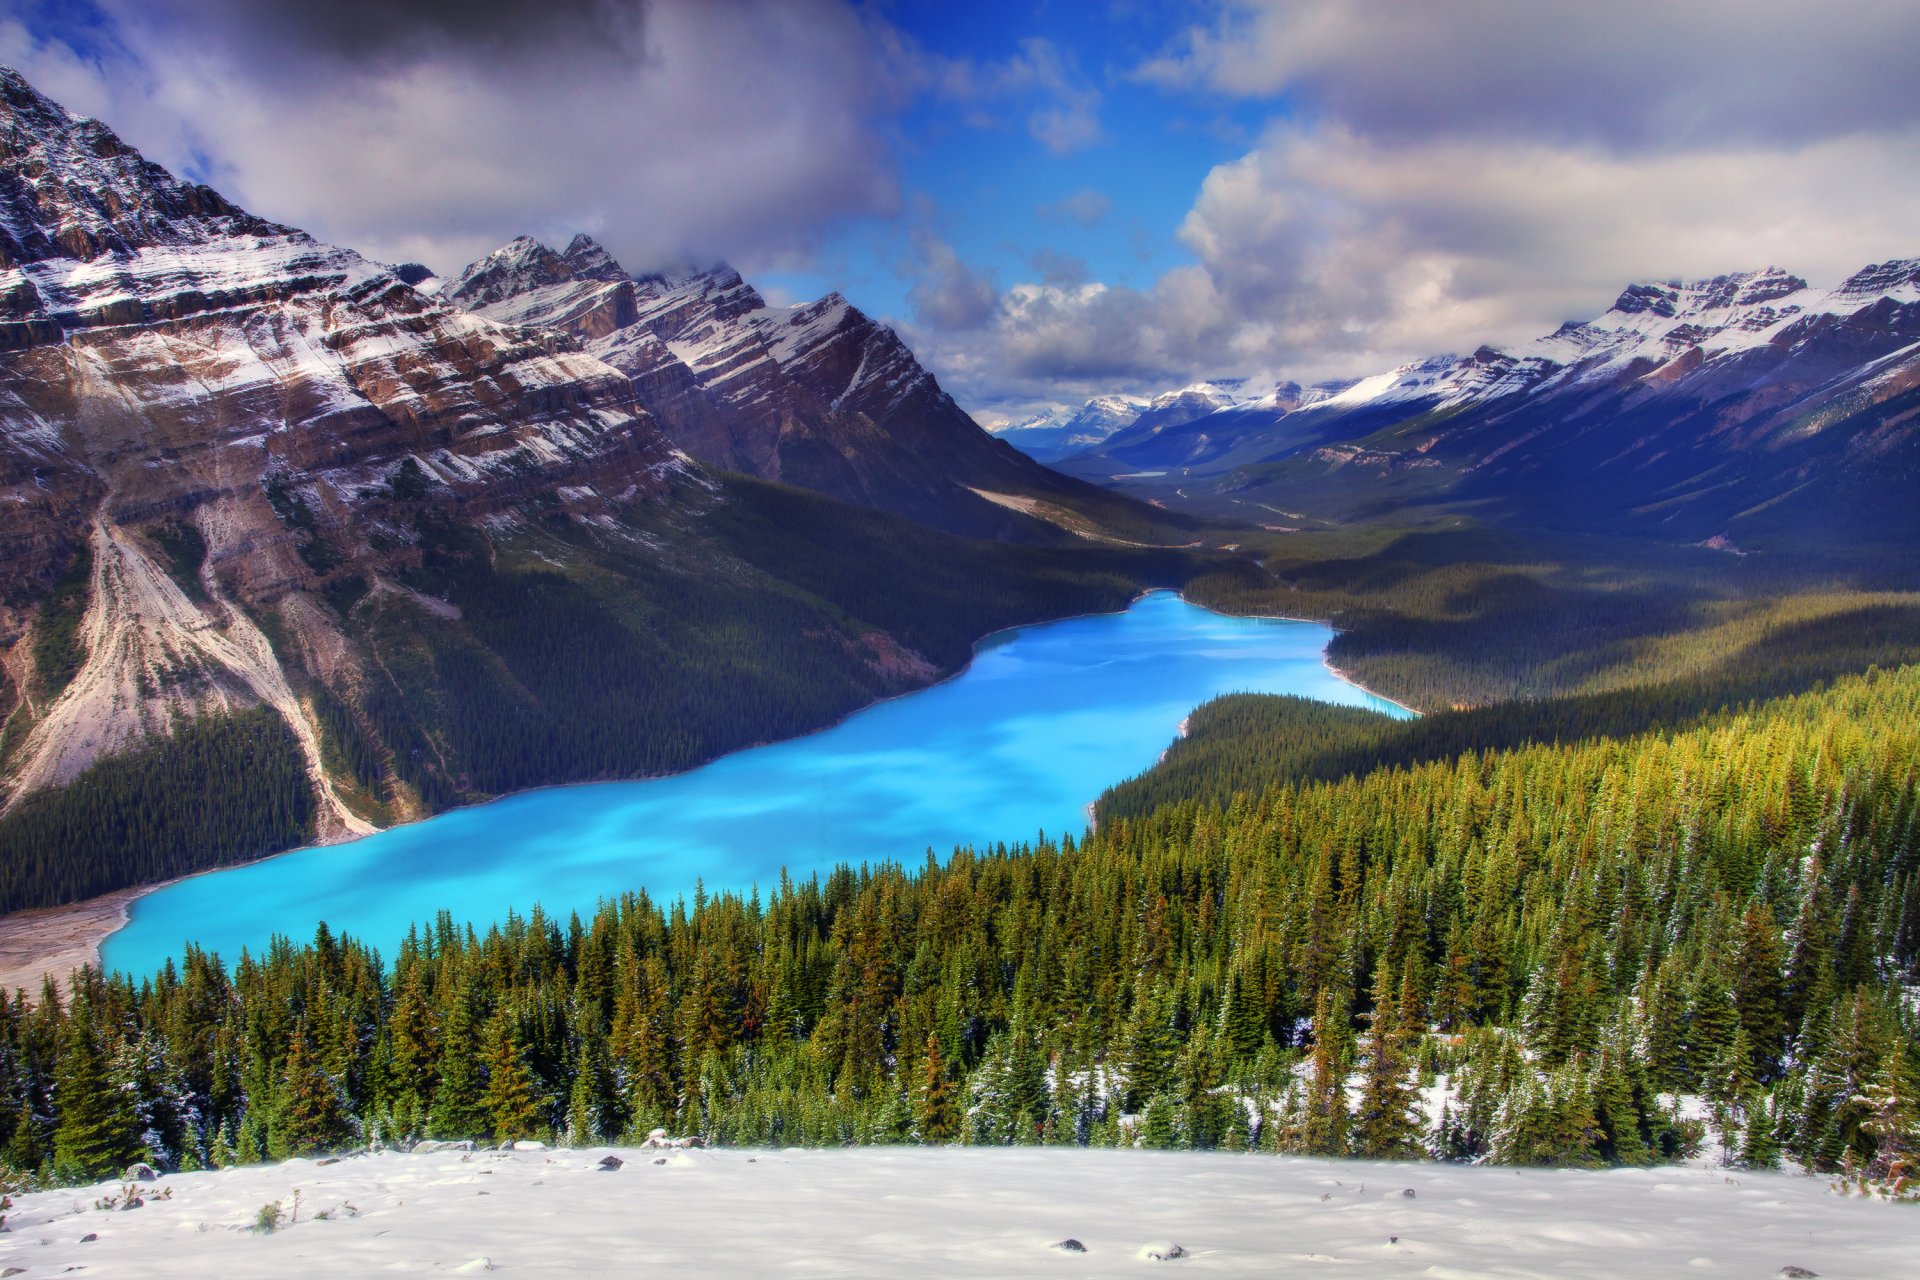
x=1797, y=1273
x=1162, y=1251
x=658, y=1140
x=1070, y=1245
x=433, y=1147
x=610, y=1163
x=139, y=1171
x=1408, y=1193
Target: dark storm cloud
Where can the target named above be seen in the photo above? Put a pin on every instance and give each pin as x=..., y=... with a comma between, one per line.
x=383, y=31
x=438, y=129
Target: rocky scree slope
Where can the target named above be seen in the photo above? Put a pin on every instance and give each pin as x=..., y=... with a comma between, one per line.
x=821, y=396
x=178, y=372
x=1748, y=407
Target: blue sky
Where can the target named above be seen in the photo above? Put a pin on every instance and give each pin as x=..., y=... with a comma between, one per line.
x=1012, y=205
x=1052, y=201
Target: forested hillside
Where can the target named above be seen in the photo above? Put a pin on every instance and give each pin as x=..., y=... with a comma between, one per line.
x=735, y=613
x=1440, y=610
x=1564, y=932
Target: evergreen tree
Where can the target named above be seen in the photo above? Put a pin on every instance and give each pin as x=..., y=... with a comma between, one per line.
x=1891, y=1119
x=459, y=1103
x=1387, y=1124
x=96, y=1134
x=512, y=1104
x=936, y=1116
x=1324, y=1124
x=312, y=1116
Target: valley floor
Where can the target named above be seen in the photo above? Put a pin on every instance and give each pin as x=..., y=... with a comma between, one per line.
x=959, y=1212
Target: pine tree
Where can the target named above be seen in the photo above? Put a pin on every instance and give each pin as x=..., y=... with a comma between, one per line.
x=1891, y=1106
x=459, y=1108
x=511, y=1102
x=96, y=1134
x=1324, y=1123
x=1387, y=1125
x=936, y=1115
x=311, y=1117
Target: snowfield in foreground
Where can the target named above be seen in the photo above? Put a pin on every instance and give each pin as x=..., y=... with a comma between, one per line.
x=961, y=1212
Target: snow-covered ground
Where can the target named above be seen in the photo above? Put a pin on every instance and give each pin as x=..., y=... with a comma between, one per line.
x=958, y=1212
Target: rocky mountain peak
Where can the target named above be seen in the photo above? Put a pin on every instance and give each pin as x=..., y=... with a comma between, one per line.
x=70, y=188
x=586, y=259
x=1882, y=278
x=520, y=265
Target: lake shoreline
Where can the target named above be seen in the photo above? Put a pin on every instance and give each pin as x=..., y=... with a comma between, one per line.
x=41, y=942
x=54, y=941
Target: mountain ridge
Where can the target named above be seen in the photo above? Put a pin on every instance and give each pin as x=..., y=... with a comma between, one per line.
x=819, y=395
x=1687, y=409
x=272, y=512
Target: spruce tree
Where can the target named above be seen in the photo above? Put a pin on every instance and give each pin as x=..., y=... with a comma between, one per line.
x=510, y=1100
x=1325, y=1119
x=96, y=1134
x=1891, y=1103
x=459, y=1109
x=936, y=1115
x=311, y=1117
x=1387, y=1124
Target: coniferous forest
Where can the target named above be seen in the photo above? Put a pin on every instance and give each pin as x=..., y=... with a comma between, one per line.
x=1566, y=935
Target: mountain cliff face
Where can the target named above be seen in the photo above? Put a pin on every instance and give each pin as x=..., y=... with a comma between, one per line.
x=178, y=374
x=269, y=512
x=820, y=396
x=1748, y=405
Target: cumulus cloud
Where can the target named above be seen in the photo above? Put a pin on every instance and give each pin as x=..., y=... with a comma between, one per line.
x=1633, y=74
x=1465, y=171
x=437, y=129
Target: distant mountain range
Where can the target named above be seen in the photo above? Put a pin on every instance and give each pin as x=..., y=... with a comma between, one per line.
x=1745, y=408
x=1060, y=432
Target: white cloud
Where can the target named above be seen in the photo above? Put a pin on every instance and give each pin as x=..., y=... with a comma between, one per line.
x=1633, y=74
x=742, y=128
x=1464, y=171
x=1084, y=208
x=946, y=293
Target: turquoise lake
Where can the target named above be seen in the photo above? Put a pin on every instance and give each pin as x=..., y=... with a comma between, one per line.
x=1020, y=743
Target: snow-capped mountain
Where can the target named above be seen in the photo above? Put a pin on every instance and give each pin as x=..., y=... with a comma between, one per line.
x=168, y=360
x=270, y=511
x=819, y=395
x=1059, y=432
x=1746, y=402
